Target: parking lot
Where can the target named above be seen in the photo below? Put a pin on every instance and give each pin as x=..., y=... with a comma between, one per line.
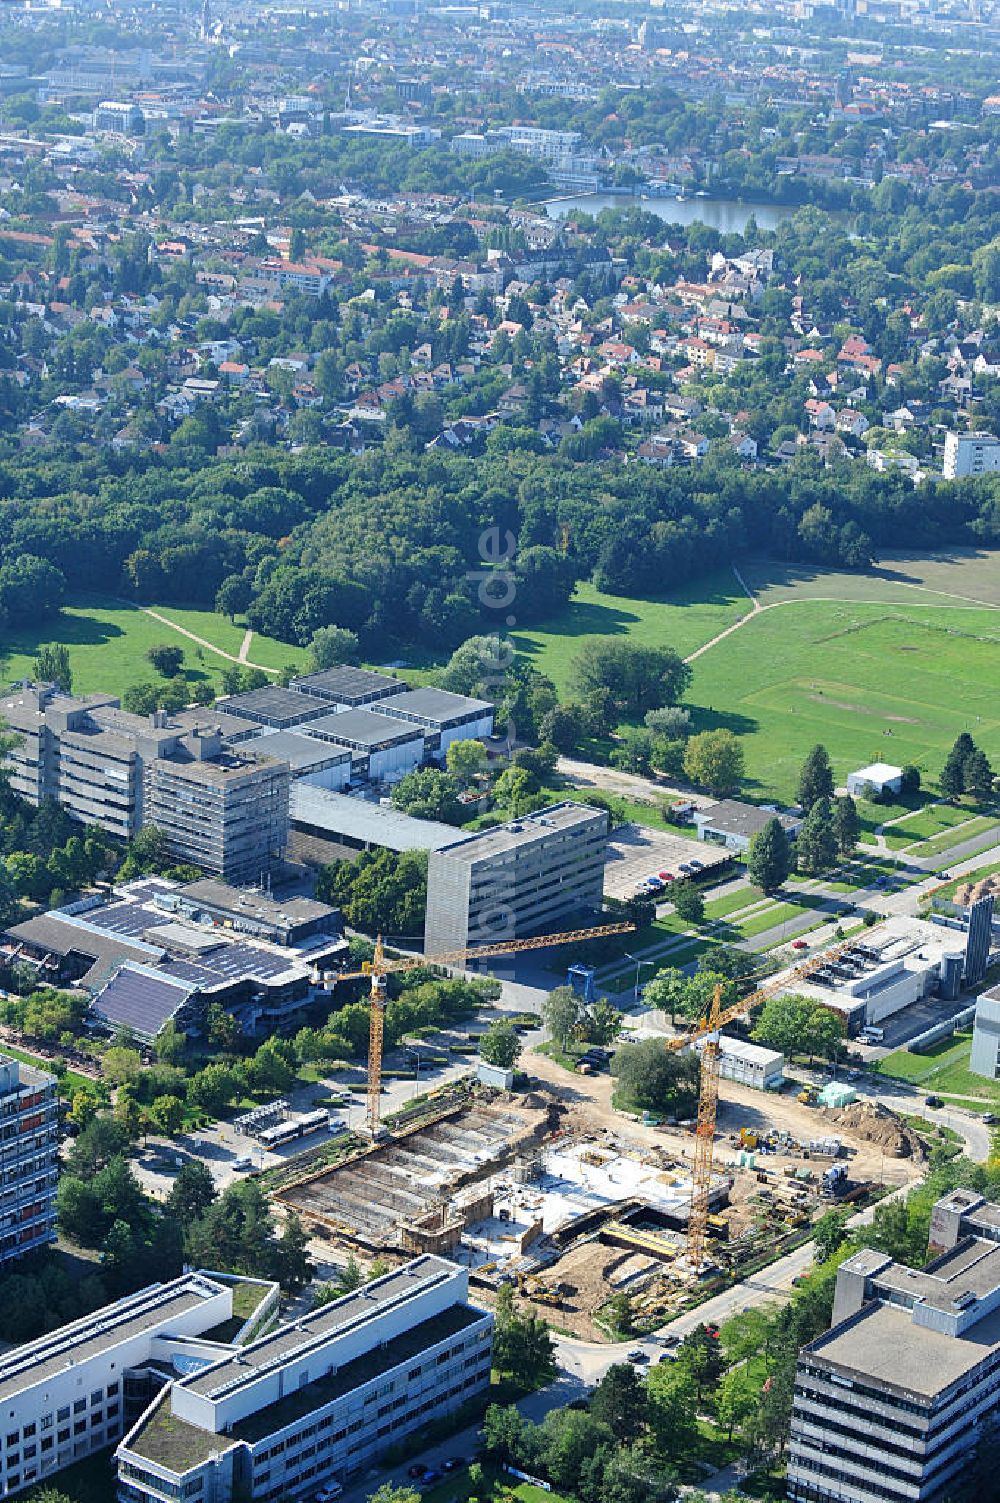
x=636, y=852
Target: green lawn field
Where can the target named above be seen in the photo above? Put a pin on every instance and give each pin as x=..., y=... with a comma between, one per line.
x=874, y=683
x=108, y=641
x=943, y=1070
x=685, y=621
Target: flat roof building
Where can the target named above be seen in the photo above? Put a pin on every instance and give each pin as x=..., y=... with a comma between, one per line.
x=383, y=749
x=328, y=826
x=878, y=778
x=749, y=1064
x=890, y=1402
x=272, y=705
x=178, y=771
x=219, y=810
x=316, y=1401
x=734, y=824
x=890, y=967
x=322, y=763
x=445, y=717
x=524, y=877
x=349, y=688
x=67, y=1394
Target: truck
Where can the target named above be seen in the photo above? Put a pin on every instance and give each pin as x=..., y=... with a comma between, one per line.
x=834, y=1180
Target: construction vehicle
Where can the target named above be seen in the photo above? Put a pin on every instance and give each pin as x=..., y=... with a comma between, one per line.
x=834, y=1180
x=808, y=1095
x=748, y=1138
x=709, y=1029
x=378, y=968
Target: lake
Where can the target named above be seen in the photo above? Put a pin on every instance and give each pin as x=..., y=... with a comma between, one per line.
x=724, y=214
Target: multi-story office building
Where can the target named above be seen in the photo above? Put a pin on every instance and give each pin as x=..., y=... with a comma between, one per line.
x=221, y=811
x=29, y=1158
x=70, y=1393
x=217, y=806
x=316, y=1401
x=520, y=878
x=970, y=454
x=890, y=1402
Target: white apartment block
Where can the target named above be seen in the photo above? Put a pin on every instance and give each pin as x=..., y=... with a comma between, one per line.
x=29, y=1158
x=315, y=1401
x=968, y=454
x=890, y=1403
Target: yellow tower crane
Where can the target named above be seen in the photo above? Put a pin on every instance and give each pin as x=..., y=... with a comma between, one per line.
x=709, y=1029
x=378, y=968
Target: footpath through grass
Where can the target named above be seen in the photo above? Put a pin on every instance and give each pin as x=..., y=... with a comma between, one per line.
x=108, y=640
x=684, y=620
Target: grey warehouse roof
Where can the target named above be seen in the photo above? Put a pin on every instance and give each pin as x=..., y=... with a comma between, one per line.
x=360, y=819
x=437, y=706
x=273, y=705
x=298, y=751
x=348, y=683
x=363, y=729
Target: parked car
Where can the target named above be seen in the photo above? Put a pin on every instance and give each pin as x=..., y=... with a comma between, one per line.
x=416, y=1470
x=933, y=1101
x=654, y=883
x=329, y=1493
x=666, y=876
x=638, y=1355
x=453, y=1463
x=799, y=944
x=430, y=1477
x=990, y=1119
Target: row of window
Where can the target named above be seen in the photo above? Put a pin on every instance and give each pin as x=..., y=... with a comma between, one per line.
x=288, y=1483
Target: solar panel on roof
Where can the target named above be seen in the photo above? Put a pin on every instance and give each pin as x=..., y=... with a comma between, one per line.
x=134, y=999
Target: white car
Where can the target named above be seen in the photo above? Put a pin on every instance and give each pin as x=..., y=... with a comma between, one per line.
x=329, y=1493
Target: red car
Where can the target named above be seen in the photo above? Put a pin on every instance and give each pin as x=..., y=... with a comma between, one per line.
x=666, y=876
x=799, y=944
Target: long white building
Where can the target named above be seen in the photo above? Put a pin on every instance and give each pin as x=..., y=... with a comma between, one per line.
x=316, y=1401
x=66, y=1394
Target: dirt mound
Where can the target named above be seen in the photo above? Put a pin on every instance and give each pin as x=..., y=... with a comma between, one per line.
x=871, y=1122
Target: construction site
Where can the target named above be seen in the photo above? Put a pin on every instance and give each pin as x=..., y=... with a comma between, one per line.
x=539, y=1190
x=556, y=1192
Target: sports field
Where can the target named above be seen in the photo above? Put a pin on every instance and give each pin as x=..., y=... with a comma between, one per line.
x=873, y=683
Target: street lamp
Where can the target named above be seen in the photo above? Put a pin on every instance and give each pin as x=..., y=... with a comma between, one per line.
x=638, y=968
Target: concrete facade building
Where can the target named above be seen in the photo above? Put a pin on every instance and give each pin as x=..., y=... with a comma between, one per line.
x=29, y=1158
x=968, y=454
x=890, y=1402
x=316, y=1401
x=215, y=805
x=220, y=811
x=521, y=878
